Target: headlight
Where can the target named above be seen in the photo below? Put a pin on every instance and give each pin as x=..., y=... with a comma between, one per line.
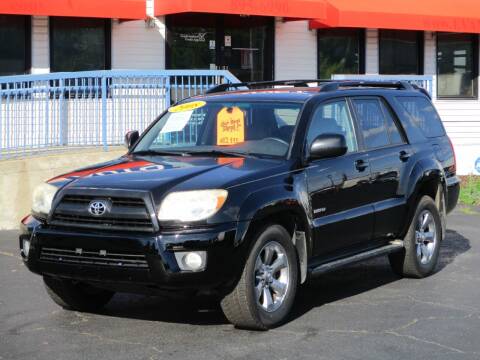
x=43, y=198
x=191, y=205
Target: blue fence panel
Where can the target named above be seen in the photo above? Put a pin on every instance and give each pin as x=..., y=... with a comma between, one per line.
x=92, y=108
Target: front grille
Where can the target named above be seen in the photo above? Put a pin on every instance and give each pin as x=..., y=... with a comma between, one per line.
x=126, y=213
x=85, y=199
x=94, y=258
x=103, y=221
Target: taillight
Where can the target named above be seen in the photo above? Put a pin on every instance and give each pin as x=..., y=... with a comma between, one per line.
x=453, y=168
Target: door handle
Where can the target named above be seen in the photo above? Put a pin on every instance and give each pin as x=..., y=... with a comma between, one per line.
x=404, y=155
x=361, y=165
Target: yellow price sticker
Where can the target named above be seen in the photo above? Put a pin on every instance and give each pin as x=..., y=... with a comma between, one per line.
x=230, y=126
x=187, y=106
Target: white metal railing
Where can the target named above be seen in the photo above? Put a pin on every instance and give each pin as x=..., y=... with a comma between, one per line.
x=93, y=108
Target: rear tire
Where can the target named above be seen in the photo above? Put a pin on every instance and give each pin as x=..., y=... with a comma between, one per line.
x=422, y=242
x=76, y=296
x=265, y=293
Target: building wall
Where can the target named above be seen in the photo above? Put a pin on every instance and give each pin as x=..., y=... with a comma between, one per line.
x=40, y=45
x=460, y=117
x=138, y=44
x=135, y=44
x=371, y=51
x=296, y=57
x=141, y=45
x=295, y=50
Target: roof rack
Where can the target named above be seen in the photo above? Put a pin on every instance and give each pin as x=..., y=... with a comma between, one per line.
x=325, y=85
x=260, y=84
x=335, y=85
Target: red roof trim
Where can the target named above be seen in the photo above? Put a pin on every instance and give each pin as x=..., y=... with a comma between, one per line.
x=427, y=15
x=115, y=9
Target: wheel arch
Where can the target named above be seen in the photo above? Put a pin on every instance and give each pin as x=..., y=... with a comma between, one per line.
x=277, y=206
x=427, y=178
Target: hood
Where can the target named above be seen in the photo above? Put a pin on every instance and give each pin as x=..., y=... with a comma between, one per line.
x=160, y=174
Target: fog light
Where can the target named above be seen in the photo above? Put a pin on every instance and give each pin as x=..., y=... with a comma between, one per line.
x=25, y=247
x=192, y=260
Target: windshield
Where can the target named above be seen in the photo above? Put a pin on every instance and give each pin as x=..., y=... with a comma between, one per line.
x=239, y=128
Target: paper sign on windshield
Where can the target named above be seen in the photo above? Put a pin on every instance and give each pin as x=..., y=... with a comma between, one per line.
x=230, y=126
x=176, y=121
x=179, y=116
x=187, y=107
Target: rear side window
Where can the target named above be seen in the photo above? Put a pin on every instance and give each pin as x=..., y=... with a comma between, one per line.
x=424, y=115
x=395, y=135
x=372, y=122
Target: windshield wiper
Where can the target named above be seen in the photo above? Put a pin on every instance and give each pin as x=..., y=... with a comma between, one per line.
x=159, y=152
x=221, y=153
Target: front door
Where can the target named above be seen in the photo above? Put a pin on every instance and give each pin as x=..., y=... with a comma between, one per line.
x=247, y=49
x=241, y=44
x=338, y=187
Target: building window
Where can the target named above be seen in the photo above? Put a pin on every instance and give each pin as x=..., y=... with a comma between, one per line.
x=401, y=52
x=15, y=44
x=78, y=44
x=341, y=51
x=457, y=65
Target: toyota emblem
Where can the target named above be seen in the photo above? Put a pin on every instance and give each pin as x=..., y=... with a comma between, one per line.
x=98, y=207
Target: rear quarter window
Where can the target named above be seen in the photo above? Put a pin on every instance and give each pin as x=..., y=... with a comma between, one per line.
x=423, y=114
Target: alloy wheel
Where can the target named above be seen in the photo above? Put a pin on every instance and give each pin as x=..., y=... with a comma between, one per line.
x=272, y=276
x=425, y=237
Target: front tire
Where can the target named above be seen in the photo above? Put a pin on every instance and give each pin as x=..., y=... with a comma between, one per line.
x=422, y=242
x=76, y=296
x=265, y=293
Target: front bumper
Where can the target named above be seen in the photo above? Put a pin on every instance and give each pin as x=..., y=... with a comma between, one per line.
x=162, y=273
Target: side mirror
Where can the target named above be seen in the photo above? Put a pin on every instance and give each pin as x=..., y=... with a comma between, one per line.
x=328, y=146
x=131, y=138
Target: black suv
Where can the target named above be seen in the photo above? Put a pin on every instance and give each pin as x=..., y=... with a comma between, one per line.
x=247, y=192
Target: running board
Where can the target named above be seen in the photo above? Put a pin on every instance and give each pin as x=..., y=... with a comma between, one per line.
x=393, y=246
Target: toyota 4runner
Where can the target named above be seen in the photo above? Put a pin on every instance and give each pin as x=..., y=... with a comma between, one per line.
x=246, y=193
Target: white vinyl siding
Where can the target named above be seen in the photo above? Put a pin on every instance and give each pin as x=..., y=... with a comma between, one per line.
x=371, y=51
x=138, y=44
x=40, y=45
x=295, y=50
x=461, y=118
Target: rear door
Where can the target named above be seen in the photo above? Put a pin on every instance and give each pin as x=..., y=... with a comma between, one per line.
x=338, y=187
x=389, y=155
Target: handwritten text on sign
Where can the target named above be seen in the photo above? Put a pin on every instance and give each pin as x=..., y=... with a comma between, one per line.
x=230, y=126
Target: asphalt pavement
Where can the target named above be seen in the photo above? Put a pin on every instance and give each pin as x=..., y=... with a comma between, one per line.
x=360, y=312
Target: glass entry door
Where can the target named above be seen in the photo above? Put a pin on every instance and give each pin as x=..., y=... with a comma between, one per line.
x=241, y=44
x=248, y=47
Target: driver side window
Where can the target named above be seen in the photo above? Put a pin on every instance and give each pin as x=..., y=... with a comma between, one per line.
x=333, y=118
